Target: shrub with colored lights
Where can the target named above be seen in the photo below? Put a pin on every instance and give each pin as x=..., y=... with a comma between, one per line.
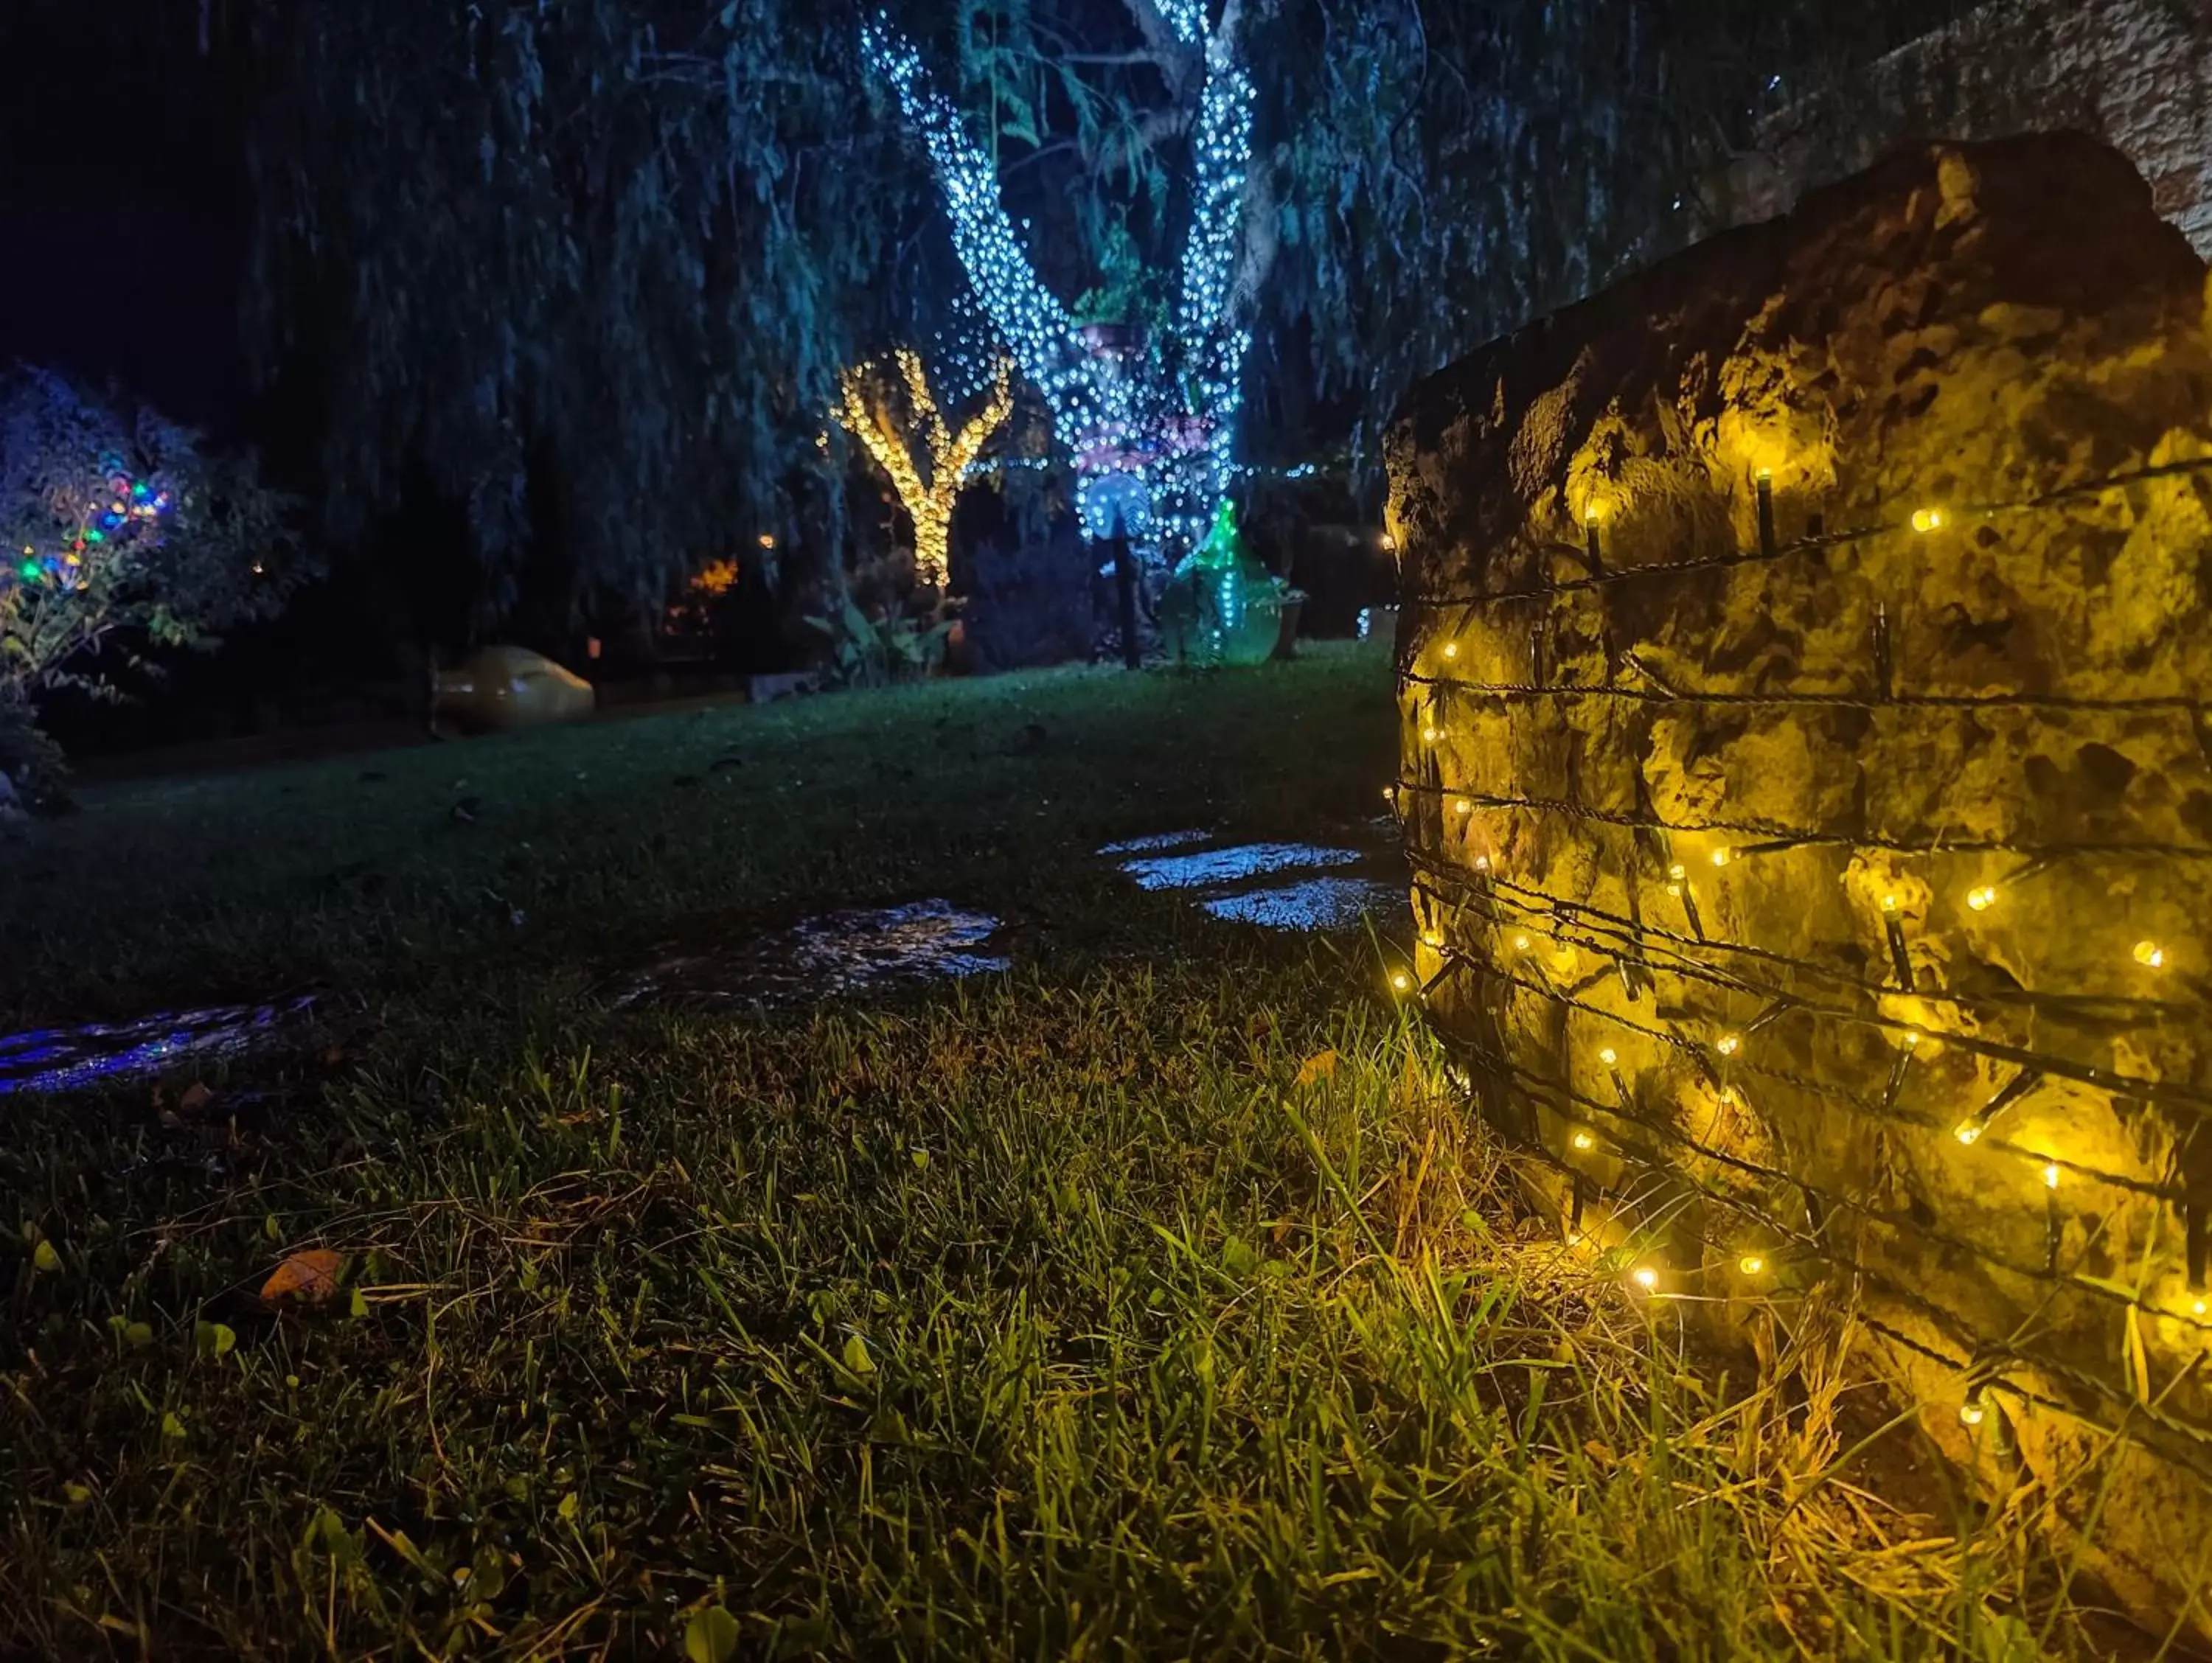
x=122, y=536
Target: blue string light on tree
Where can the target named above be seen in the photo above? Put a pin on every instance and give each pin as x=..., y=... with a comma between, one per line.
x=1174, y=433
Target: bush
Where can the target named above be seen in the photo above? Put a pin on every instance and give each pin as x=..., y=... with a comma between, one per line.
x=121, y=535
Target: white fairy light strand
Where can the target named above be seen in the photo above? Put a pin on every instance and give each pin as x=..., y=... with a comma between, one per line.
x=1097, y=407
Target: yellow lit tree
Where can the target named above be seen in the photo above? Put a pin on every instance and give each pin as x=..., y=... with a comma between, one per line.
x=867, y=409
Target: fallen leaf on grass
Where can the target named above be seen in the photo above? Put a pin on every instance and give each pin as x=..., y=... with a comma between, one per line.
x=311, y=1276
x=711, y=1636
x=1321, y=1066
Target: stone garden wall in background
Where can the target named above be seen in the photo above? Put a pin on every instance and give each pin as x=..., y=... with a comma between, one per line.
x=1806, y=673
x=2137, y=73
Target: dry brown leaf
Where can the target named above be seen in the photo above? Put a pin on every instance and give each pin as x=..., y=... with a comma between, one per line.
x=311, y=1276
x=1321, y=1066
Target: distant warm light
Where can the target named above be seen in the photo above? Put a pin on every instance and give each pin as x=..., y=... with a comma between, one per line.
x=1583, y=1140
x=2197, y=1308
x=1890, y=903
x=1608, y=1056
x=767, y=539
x=1451, y=649
x=2050, y=1175
x=1482, y=863
x=1927, y=519
x=1981, y=900
x=2150, y=955
x=1646, y=1279
x=1910, y=1039
x=1678, y=872
x=1430, y=736
x=1520, y=943
x=1966, y=1132
x=1401, y=981
x=1728, y=1044
x=1971, y=1411
x=1460, y=805
x=1752, y=1264
x=1431, y=938
x=1720, y=856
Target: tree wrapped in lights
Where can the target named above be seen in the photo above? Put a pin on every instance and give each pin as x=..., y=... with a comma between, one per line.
x=866, y=409
x=1171, y=428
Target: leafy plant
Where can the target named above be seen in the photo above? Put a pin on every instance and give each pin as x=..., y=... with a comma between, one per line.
x=865, y=652
x=121, y=533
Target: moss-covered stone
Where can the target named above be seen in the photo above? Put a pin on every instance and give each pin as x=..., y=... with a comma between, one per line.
x=1765, y=860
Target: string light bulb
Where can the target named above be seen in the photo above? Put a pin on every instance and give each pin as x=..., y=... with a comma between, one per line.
x=1728, y=1044
x=1401, y=981
x=1678, y=872
x=1720, y=856
x=1430, y=736
x=1460, y=805
x=2197, y=1308
x=1890, y=903
x=2050, y=1175
x=1521, y=943
x=1583, y=1141
x=1451, y=649
x=1645, y=1277
x=1971, y=1411
x=1752, y=1264
x=1983, y=897
x=2150, y=955
x=1927, y=519
x=1608, y=1056
x=1966, y=1131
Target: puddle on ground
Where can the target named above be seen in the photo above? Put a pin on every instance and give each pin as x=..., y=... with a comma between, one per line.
x=1229, y=881
x=1209, y=867
x=1157, y=841
x=835, y=953
x=49, y=1059
x=1319, y=903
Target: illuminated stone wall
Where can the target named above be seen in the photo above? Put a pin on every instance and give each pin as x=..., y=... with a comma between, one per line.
x=1806, y=672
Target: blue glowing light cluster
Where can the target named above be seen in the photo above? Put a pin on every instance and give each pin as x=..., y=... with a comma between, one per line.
x=1173, y=434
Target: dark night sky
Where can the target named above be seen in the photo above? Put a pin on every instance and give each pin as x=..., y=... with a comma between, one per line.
x=121, y=200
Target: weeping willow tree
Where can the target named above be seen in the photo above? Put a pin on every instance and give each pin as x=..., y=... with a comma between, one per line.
x=584, y=271
x=1463, y=169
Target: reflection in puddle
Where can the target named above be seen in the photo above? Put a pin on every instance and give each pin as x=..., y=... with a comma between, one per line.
x=1318, y=904
x=1317, y=896
x=70, y=1058
x=1211, y=866
x=1156, y=843
x=836, y=953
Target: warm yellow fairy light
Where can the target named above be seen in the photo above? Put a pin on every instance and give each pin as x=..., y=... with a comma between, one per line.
x=1592, y=514
x=1646, y=1279
x=1910, y=1039
x=2150, y=955
x=1583, y=1140
x=1431, y=938
x=1966, y=1132
x=1402, y=981
x=1430, y=736
x=864, y=409
x=767, y=539
x=1482, y=863
x=1720, y=856
x=1752, y=1264
x=1728, y=1044
x=1608, y=1056
x=1971, y=1413
x=1678, y=872
x=2050, y=1175
x=2197, y=1308
x=1890, y=903
x=1927, y=519
x=1520, y=943
x=1982, y=899
x=1451, y=649
x=1460, y=805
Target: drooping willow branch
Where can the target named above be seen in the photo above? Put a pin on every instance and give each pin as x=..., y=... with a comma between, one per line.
x=866, y=409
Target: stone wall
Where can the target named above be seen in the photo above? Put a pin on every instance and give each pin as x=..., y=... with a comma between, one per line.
x=1804, y=664
x=2135, y=72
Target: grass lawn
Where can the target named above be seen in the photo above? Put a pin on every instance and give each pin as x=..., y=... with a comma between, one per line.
x=1153, y=1299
